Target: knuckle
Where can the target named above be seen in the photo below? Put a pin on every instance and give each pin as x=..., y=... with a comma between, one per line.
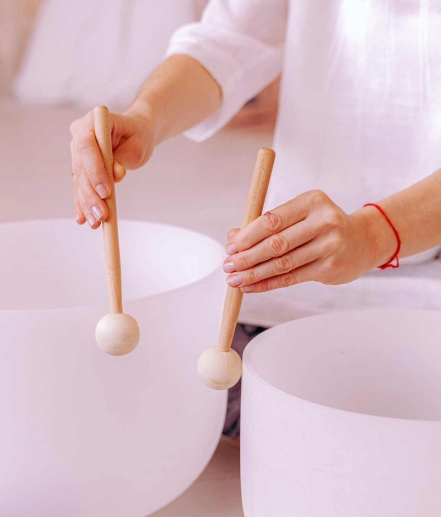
x=90, y=199
x=318, y=198
x=332, y=219
x=251, y=277
x=333, y=265
x=77, y=126
x=95, y=173
x=242, y=262
x=289, y=279
x=85, y=144
x=338, y=241
x=264, y=285
x=285, y=264
x=278, y=245
x=272, y=221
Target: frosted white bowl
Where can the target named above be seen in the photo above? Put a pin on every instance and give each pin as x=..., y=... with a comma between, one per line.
x=341, y=417
x=84, y=434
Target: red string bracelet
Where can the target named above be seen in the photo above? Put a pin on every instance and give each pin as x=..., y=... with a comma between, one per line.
x=397, y=235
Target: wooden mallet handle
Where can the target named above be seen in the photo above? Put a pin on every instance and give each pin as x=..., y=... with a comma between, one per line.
x=254, y=207
x=101, y=121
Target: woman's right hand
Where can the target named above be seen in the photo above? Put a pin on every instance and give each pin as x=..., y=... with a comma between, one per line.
x=132, y=142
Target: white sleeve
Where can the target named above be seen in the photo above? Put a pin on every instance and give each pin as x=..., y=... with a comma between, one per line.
x=240, y=42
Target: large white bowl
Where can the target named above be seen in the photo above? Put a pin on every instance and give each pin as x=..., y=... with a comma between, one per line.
x=84, y=434
x=341, y=417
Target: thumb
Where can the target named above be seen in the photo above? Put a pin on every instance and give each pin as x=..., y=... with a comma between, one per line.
x=131, y=154
x=119, y=171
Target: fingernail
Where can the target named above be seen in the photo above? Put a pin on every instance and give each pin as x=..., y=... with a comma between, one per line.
x=234, y=280
x=97, y=212
x=78, y=218
x=231, y=249
x=248, y=288
x=91, y=220
x=229, y=267
x=102, y=191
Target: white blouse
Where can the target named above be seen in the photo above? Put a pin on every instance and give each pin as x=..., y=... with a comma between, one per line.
x=360, y=106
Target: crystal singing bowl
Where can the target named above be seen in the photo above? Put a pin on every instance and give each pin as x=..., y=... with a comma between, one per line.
x=341, y=417
x=82, y=433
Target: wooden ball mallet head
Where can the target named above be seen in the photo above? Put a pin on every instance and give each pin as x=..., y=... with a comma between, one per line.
x=116, y=333
x=220, y=367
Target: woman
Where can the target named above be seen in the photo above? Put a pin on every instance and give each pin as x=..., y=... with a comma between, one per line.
x=359, y=120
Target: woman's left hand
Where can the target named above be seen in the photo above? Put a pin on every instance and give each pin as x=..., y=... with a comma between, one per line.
x=307, y=239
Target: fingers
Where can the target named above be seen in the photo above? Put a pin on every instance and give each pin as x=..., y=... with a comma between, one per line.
x=280, y=266
x=88, y=153
x=91, y=208
x=92, y=213
x=92, y=161
x=89, y=177
x=278, y=248
x=133, y=143
x=306, y=273
x=274, y=246
x=88, y=205
x=269, y=224
x=79, y=216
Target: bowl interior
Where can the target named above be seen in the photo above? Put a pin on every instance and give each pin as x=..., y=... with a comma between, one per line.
x=383, y=362
x=56, y=264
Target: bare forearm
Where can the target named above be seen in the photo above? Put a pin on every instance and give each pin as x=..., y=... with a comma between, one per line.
x=415, y=213
x=177, y=95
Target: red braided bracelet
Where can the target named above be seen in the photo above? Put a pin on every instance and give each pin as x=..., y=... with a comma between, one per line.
x=397, y=235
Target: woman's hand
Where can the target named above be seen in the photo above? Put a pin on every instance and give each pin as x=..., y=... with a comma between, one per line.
x=307, y=239
x=132, y=141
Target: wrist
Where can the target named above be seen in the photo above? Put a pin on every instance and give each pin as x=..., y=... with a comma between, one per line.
x=381, y=238
x=143, y=113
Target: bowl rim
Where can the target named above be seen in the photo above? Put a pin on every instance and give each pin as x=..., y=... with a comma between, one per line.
x=126, y=302
x=314, y=406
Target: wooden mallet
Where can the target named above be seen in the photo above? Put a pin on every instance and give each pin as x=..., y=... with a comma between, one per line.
x=116, y=333
x=220, y=367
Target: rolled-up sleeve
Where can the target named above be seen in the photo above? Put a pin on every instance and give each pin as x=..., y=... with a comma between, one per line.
x=240, y=43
